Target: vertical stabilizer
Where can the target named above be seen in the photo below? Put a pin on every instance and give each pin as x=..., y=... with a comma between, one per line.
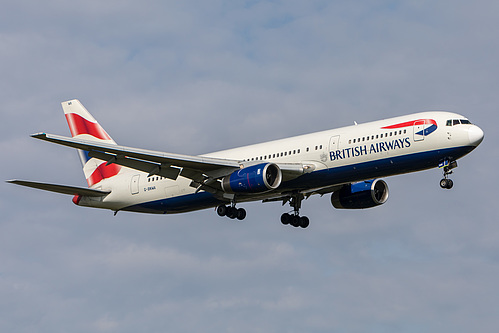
x=83, y=126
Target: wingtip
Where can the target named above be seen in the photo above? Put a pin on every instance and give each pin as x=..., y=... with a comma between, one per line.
x=39, y=135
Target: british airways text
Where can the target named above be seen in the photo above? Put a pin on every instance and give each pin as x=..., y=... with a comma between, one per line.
x=374, y=148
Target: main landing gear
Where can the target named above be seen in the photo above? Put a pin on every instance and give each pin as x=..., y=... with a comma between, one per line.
x=231, y=212
x=294, y=219
x=447, y=167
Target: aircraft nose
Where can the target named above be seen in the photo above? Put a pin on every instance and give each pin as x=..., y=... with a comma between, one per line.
x=475, y=134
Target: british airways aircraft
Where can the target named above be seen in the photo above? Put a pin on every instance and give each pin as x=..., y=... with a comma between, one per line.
x=346, y=162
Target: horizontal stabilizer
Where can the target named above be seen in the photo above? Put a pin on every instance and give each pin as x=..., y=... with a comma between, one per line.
x=64, y=189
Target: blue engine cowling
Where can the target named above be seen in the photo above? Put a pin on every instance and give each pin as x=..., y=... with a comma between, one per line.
x=253, y=179
x=366, y=194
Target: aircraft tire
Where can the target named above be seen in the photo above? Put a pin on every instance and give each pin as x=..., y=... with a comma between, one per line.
x=446, y=183
x=285, y=218
x=295, y=221
x=241, y=214
x=222, y=210
x=231, y=212
x=304, y=222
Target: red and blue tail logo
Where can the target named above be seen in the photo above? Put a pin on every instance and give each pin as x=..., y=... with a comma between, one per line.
x=82, y=125
x=425, y=126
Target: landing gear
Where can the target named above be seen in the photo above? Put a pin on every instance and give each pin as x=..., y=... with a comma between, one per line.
x=295, y=219
x=446, y=183
x=447, y=167
x=231, y=212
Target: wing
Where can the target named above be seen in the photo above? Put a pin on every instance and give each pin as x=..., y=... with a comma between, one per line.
x=63, y=189
x=203, y=171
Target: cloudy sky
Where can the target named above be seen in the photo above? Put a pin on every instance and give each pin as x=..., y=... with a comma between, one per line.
x=198, y=76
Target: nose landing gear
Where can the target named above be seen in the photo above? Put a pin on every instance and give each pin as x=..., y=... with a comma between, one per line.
x=447, y=167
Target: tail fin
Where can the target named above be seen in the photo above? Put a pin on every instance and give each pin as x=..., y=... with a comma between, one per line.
x=83, y=126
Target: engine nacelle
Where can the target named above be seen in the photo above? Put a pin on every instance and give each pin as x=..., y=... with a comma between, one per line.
x=366, y=194
x=253, y=179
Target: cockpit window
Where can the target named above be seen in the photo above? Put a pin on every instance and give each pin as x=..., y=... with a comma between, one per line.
x=453, y=122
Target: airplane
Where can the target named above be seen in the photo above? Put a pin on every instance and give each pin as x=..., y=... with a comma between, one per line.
x=347, y=162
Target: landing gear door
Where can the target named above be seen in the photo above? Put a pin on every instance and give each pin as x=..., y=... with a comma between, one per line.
x=419, y=130
x=134, y=184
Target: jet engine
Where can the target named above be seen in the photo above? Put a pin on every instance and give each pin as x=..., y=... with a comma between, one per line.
x=253, y=179
x=366, y=194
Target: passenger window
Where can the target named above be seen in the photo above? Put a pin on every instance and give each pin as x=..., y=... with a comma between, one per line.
x=298, y=151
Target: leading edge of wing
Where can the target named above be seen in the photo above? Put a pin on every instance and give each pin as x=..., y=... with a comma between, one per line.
x=184, y=161
x=63, y=189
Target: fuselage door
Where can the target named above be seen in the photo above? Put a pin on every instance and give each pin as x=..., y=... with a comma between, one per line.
x=134, y=184
x=419, y=130
x=334, y=143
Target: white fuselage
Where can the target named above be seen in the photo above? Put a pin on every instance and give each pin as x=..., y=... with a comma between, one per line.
x=333, y=157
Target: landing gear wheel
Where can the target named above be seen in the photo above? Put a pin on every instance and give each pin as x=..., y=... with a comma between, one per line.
x=222, y=210
x=446, y=183
x=241, y=214
x=295, y=221
x=231, y=212
x=285, y=218
x=304, y=222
